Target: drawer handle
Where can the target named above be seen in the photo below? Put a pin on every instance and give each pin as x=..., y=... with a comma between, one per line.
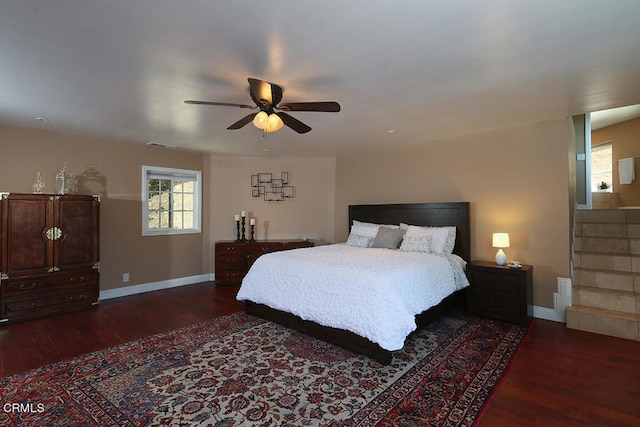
x=265, y=248
x=32, y=305
x=25, y=286
x=230, y=248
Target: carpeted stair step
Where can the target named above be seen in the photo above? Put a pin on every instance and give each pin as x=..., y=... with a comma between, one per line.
x=605, y=279
x=606, y=274
x=606, y=299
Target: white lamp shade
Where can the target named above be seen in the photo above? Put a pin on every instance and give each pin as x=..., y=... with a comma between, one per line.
x=274, y=122
x=500, y=240
x=261, y=120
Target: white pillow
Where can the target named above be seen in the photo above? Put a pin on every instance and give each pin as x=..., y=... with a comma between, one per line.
x=365, y=230
x=443, y=239
x=358, y=241
x=371, y=224
x=416, y=244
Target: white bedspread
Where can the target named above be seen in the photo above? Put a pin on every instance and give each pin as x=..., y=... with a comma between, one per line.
x=374, y=293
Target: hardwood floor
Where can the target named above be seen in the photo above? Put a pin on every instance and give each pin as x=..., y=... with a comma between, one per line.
x=40, y=342
x=560, y=377
x=565, y=377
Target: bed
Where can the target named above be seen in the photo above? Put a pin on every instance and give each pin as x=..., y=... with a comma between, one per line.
x=270, y=273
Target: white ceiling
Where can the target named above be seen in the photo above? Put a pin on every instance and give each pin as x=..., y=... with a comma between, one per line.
x=424, y=69
x=600, y=119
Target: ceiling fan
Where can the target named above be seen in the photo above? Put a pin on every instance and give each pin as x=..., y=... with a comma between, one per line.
x=267, y=97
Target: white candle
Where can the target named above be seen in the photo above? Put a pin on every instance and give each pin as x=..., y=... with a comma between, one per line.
x=253, y=221
x=237, y=217
x=243, y=214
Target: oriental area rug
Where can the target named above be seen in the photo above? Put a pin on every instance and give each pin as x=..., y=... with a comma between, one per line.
x=240, y=370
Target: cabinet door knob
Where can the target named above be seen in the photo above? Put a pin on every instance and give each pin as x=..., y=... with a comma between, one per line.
x=53, y=233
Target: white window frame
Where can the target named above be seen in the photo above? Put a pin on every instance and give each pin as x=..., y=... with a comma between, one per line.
x=155, y=172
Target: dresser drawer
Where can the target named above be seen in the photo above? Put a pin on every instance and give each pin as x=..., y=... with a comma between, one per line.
x=46, y=283
x=297, y=245
x=229, y=277
x=230, y=248
x=497, y=305
x=495, y=281
x=230, y=262
x=70, y=299
x=259, y=248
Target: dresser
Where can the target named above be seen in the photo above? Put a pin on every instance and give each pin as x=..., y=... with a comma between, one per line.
x=234, y=259
x=500, y=292
x=49, y=255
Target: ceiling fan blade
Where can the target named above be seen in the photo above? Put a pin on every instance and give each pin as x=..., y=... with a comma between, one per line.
x=276, y=94
x=330, y=107
x=225, y=104
x=242, y=122
x=293, y=123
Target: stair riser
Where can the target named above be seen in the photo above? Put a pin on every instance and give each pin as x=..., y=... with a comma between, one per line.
x=604, y=230
x=624, y=303
x=601, y=323
x=603, y=245
x=605, y=262
x=605, y=280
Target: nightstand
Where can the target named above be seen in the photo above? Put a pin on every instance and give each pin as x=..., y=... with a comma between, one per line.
x=500, y=292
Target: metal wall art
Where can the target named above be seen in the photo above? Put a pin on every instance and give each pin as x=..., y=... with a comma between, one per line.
x=272, y=189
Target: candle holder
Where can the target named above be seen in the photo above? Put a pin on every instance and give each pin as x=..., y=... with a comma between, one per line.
x=238, y=230
x=244, y=239
x=253, y=228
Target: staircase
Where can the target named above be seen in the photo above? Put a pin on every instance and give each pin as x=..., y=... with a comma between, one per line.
x=606, y=274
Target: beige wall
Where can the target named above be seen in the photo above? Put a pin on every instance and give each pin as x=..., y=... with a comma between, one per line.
x=516, y=179
x=310, y=213
x=625, y=138
x=24, y=152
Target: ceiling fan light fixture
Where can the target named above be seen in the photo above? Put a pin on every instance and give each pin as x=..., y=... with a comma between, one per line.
x=274, y=123
x=267, y=97
x=261, y=120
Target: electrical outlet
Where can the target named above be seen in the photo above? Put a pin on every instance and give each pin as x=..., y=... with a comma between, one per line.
x=125, y=277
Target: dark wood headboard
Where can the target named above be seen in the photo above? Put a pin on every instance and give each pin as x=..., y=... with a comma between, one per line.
x=433, y=214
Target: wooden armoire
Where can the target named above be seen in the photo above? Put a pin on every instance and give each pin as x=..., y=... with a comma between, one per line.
x=49, y=255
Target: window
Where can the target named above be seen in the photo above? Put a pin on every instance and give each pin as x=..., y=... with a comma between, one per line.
x=601, y=167
x=170, y=201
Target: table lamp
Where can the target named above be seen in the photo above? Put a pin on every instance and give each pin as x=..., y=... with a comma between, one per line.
x=500, y=241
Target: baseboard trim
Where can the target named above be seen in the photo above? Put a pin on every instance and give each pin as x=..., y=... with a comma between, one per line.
x=155, y=286
x=561, y=300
